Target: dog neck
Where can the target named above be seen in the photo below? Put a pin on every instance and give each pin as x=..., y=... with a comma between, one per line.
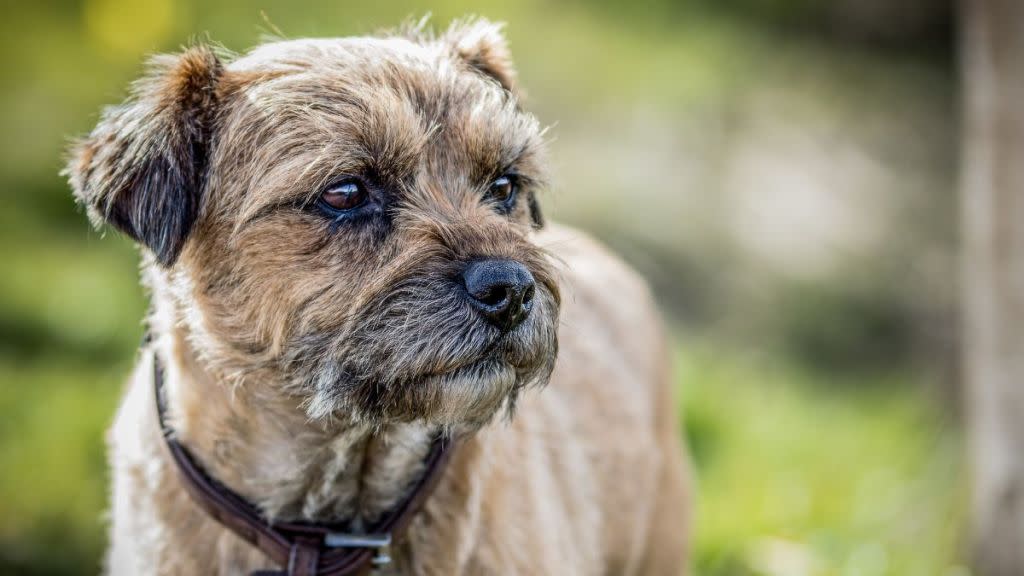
x=261, y=444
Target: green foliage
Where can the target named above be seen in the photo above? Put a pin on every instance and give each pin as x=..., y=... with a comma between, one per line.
x=803, y=477
x=71, y=316
x=54, y=489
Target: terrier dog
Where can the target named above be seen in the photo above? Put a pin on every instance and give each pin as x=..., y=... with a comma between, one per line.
x=347, y=258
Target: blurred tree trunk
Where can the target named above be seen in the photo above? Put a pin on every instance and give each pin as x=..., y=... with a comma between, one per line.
x=993, y=235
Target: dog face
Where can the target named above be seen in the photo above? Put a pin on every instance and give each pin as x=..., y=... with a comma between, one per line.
x=350, y=219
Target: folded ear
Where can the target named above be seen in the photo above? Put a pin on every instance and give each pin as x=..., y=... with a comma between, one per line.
x=141, y=169
x=481, y=44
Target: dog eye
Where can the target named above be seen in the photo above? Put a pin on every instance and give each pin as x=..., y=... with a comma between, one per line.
x=503, y=191
x=345, y=195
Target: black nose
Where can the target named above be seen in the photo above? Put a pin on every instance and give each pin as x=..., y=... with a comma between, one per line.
x=502, y=290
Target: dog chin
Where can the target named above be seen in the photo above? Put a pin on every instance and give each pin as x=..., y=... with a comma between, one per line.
x=472, y=394
x=465, y=397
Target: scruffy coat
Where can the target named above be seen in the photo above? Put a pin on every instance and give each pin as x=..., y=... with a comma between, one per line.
x=311, y=359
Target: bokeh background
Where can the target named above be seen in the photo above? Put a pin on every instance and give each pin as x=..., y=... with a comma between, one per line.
x=782, y=171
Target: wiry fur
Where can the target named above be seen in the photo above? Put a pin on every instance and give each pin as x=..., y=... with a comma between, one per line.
x=310, y=361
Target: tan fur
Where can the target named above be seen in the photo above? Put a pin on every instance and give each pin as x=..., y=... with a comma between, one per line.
x=309, y=363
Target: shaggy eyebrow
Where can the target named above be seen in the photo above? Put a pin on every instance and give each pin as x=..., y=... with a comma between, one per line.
x=496, y=138
x=295, y=181
x=510, y=156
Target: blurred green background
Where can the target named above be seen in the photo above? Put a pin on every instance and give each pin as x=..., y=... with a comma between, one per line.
x=781, y=170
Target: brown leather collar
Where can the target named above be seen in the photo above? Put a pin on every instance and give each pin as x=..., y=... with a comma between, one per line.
x=300, y=548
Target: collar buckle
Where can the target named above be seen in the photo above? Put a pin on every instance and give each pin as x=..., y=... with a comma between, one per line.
x=379, y=543
x=343, y=540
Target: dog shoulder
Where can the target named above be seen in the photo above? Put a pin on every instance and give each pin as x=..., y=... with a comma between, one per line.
x=600, y=285
x=612, y=345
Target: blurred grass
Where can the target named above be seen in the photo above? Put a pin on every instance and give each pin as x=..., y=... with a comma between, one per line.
x=70, y=317
x=802, y=475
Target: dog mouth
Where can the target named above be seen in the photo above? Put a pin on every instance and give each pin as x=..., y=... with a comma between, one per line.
x=465, y=390
x=446, y=367
x=468, y=393
x=491, y=354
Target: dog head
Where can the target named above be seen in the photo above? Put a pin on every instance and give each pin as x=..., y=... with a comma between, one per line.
x=350, y=219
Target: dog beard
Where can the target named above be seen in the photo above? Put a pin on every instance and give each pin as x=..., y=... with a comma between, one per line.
x=420, y=352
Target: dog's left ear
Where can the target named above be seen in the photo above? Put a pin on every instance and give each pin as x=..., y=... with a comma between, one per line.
x=481, y=44
x=142, y=167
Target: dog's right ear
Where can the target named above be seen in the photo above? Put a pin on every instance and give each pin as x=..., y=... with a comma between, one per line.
x=142, y=167
x=481, y=44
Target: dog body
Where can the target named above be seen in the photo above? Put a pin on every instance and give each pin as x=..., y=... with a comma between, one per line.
x=346, y=258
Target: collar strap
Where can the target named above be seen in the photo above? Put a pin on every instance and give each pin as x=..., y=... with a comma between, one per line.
x=300, y=548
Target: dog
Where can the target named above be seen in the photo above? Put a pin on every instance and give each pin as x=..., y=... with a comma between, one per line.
x=347, y=259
